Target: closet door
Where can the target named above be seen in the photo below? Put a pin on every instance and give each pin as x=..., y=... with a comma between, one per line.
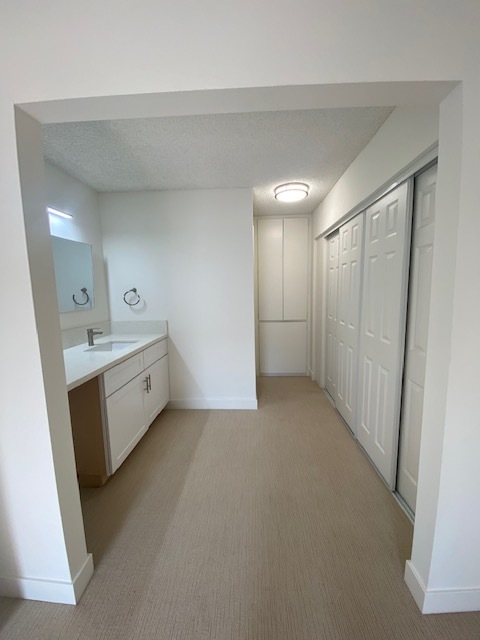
x=382, y=329
x=348, y=317
x=417, y=332
x=332, y=286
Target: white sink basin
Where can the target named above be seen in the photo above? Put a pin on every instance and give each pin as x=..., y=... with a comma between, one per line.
x=115, y=345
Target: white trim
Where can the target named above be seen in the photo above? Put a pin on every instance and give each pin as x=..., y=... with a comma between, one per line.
x=83, y=577
x=305, y=374
x=49, y=590
x=415, y=584
x=408, y=172
x=440, y=600
x=213, y=403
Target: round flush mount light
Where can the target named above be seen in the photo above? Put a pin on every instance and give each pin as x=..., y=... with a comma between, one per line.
x=291, y=191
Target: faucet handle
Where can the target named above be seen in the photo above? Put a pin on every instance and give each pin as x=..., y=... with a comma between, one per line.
x=93, y=332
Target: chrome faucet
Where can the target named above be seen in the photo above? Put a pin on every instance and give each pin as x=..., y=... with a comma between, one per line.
x=90, y=334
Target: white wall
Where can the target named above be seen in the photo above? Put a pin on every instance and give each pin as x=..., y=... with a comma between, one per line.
x=41, y=528
x=66, y=193
x=404, y=136
x=49, y=59
x=190, y=256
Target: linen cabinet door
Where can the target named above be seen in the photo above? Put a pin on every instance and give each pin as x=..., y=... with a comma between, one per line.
x=295, y=269
x=283, y=348
x=382, y=333
x=270, y=269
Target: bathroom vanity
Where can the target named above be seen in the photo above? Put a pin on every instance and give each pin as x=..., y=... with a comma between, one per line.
x=116, y=389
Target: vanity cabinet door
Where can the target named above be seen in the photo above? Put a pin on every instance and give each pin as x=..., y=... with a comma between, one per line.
x=126, y=419
x=158, y=393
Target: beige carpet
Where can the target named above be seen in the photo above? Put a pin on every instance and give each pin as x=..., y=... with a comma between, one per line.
x=267, y=525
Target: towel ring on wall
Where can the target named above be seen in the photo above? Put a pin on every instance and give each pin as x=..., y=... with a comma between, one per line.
x=82, y=304
x=131, y=304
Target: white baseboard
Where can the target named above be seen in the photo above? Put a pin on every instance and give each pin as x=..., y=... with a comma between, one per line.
x=440, y=600
x=83, y=577
x=49, y=590
x=415, y=584
x=214, y=403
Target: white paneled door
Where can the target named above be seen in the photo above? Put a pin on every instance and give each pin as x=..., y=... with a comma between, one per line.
x=332, y=292
x=382, y=329
x=348, y=317
x=417, y=331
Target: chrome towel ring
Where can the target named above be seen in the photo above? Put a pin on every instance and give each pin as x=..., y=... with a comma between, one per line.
x=82, y=304
x=131, y=304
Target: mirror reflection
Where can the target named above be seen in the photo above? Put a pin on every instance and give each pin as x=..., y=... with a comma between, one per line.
x=73, y=275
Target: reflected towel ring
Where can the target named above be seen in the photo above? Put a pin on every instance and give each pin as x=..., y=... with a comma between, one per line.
x=82, y=304
x=131, y=304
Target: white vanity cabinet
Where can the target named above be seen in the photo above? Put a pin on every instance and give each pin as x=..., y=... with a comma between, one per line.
x=111, y=412
x=157, y=391
x=125, y=420
x=135, y=392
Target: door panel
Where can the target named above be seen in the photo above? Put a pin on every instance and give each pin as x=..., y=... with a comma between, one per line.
x=332, y=287
x=283, y=348
x=417, y=334
x=382, y=326
x=157, y=395
x=126, y=419
x=295, y=268
x=270, y=269
x=349, y=280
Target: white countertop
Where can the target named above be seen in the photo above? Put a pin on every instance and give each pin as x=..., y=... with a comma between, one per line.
x=82, y=365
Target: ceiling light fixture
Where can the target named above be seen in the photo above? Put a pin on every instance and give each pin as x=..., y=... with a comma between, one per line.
x=291, y=191
x=56, y=212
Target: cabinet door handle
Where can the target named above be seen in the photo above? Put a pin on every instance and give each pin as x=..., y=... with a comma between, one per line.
x=147, y=388
x=150, y=381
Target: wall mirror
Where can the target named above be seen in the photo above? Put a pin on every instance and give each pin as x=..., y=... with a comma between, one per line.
x=73, y=275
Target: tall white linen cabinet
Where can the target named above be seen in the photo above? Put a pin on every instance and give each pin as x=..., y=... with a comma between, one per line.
x=283, y=282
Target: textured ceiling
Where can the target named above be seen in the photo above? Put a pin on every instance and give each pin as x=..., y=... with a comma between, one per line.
x=255, y=150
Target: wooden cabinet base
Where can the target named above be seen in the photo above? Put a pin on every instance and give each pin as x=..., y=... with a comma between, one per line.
x=91, y=481
x=87, y=430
